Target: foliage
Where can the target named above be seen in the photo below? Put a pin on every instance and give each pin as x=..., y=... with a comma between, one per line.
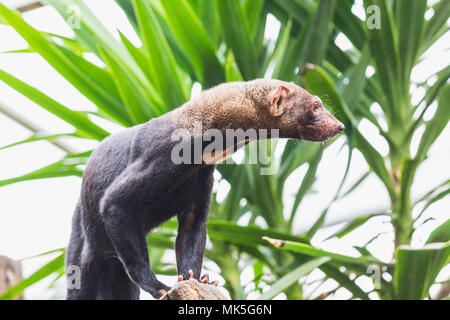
x=189, y=41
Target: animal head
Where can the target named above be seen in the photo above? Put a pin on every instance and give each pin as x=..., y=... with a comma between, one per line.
x=298, y=114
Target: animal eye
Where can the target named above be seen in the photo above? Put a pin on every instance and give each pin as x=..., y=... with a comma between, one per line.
x=316, y=106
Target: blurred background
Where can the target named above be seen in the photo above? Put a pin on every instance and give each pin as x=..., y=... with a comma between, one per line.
x=366, y=214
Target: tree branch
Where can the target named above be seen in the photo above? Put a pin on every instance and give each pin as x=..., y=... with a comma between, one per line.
x=193, y=290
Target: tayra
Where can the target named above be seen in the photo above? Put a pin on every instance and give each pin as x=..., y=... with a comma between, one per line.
x=131, y=184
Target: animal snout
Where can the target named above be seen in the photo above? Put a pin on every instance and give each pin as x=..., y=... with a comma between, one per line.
x=340, y=127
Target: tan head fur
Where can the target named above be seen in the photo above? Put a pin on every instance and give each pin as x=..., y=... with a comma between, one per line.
x=260, y=104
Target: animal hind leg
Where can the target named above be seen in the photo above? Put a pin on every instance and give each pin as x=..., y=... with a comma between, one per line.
x=122, y=209
x=115, y=283
x=128, y=239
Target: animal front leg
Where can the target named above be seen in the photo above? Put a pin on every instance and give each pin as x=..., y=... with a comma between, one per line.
x=191, y=239
x=190, y=243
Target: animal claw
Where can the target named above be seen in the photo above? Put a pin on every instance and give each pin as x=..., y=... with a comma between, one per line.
x=205, y=278
x=180, y=278
x=191, y=274
x=161, y=293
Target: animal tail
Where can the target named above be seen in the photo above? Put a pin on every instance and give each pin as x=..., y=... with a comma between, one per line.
x=91, y=272
x=73, y=255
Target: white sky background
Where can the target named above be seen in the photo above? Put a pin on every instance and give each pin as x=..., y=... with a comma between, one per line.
x=35, y=216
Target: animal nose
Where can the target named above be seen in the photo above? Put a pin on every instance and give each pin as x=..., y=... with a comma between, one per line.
x=340, y=127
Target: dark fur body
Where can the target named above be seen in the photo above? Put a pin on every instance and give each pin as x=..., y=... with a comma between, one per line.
x=120, y=201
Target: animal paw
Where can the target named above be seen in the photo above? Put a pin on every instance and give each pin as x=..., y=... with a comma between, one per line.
x=161, y=294
x=204, y=279
x=191, y=276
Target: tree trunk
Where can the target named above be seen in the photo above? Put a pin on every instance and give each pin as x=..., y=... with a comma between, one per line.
x=10, y=274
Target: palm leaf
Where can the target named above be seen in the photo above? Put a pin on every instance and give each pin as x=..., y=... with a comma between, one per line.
x=68, y=166
x=77, y=119
x=290, y=278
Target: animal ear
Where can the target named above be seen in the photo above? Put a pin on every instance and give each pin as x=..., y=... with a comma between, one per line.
x=276, y=98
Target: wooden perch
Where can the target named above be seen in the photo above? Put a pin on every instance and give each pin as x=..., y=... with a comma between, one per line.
x=193, y=290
